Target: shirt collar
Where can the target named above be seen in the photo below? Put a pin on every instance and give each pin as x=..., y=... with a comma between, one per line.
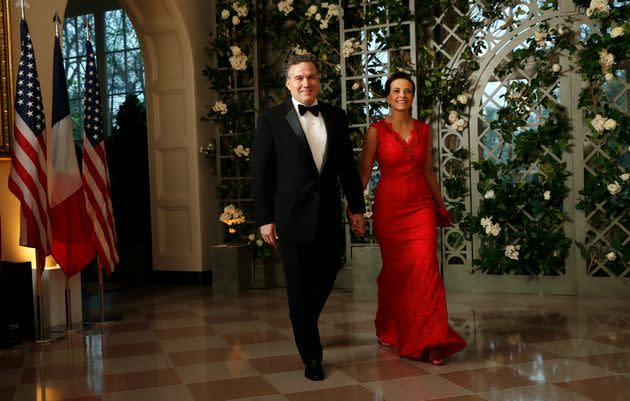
x=295, y=104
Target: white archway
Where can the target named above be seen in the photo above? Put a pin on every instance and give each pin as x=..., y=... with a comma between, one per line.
x=172, y=38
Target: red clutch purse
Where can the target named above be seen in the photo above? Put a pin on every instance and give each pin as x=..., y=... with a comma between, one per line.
x=441, y=217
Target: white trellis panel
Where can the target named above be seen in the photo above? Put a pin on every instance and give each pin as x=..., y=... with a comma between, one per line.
x=457, y=254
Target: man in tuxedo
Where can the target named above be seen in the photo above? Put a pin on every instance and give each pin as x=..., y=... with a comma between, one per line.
x=300, y=154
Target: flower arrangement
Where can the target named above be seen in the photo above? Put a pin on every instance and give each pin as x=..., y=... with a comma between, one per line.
x=232, y=216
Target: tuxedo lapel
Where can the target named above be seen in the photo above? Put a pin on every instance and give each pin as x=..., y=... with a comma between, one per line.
x=329, y=132
x=292, y=119
x=296, y=128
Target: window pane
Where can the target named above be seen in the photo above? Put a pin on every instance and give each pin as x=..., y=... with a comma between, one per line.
x=114, y=103
x=73, y=78
x=69, y=38
x=116, y=72
x=76, y=114
x=81, y=33
x=114, y=32
x=130, y=33
x=135, y=71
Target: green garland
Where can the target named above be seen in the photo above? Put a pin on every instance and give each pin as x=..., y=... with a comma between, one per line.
x=519, y=247
x=606, y=194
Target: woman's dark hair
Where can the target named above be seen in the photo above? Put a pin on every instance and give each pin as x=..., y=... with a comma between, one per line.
x=398, y=75
x=295, y=59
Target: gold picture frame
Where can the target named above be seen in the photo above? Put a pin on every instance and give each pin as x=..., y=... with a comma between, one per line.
x=6, y=79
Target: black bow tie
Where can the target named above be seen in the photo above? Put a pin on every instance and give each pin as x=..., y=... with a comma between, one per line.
x=313, y=109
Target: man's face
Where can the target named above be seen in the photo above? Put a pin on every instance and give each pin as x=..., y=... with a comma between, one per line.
x=303, y=82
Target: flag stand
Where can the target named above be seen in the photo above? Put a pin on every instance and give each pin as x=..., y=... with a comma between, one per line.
x=40, y=265
x=101, y=294
x=101, y=299
x=68, y=297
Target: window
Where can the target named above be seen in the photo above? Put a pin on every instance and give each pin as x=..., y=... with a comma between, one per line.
x=119, y=58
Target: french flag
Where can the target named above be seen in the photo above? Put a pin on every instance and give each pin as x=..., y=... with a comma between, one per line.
x=72, y=233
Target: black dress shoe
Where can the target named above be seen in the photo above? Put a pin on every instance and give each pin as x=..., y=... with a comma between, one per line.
x=314, y=370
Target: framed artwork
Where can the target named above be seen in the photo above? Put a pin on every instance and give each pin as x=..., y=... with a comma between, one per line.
x=6, y=79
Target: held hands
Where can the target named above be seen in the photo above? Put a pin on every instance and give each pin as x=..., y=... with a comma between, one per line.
x=441, y=216
x=357, y=222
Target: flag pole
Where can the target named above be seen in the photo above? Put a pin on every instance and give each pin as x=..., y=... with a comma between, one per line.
x=69, y=328
x=101, y=292
x=39, y=291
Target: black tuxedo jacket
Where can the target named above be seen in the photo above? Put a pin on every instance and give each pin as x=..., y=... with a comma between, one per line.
x=288, y=189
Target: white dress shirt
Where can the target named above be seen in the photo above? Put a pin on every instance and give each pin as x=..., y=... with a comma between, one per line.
x=315, y=131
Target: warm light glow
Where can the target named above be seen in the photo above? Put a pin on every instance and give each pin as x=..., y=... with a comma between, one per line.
x=54, y=267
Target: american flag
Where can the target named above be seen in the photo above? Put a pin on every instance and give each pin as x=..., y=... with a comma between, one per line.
x=27, y=179
x=95, y=171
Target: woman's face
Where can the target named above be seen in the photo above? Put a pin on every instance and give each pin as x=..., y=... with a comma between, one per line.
x=400, y=95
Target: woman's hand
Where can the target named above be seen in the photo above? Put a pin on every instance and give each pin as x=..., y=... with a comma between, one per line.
x=357, y=224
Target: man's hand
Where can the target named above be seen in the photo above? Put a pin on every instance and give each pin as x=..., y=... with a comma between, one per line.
x=269, y=234
x=357, y=224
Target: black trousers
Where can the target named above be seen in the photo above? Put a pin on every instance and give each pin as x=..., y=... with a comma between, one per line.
x=310, y=271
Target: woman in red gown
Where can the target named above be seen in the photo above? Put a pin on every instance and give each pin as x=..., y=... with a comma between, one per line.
x=411, y=314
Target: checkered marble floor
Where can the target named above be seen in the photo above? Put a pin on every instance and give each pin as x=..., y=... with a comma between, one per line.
x=181, y=343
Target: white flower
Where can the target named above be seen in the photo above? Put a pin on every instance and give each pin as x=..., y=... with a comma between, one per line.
x=609, y=76
x=511, y=251
x=225, y=14
x=547, y=195
x=238, y=60
x=453, y=117
x=611, y=256
x=240, y=10
x=599, y=123
x=539, y=37
x=606, y=60
x=514, y=95
x=486, y=221
x=625, y=176
x=610, y=124
x=628, y=148
x=614, y=188
x=220, y=107
x=356, y=86
x=251, y=237
x=334, y=10
x=286, y=6
x=556, y=68
x=241, y=151
x=489, y=194
x=598, y=7
x=463, y=98
x=318, y=17
x=368, y=215
x=350, y=46
x=236, y=20
x=299, y=51
x=495, y=230
x=616, y=32
x=259, y=242
x=312, y=10
x=459, y=125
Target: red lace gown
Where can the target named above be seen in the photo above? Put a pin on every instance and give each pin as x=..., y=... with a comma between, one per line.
x=411, y=314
